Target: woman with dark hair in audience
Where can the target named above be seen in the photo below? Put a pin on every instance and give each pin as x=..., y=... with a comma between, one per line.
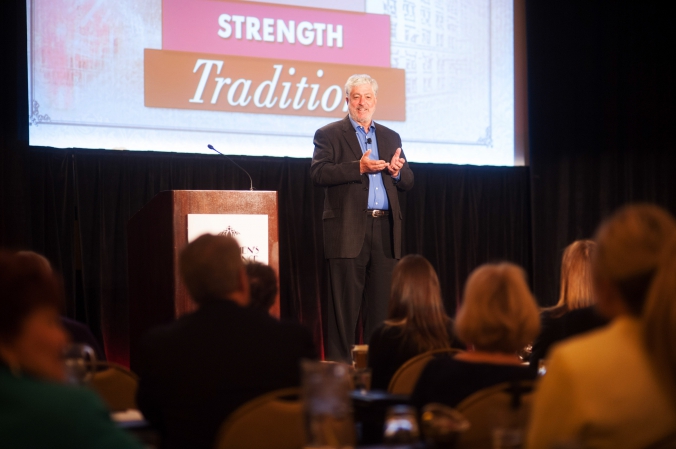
x=498, y=316
x=416, y=320
x=575, y=312
x=616, y=386
x=262, y=285
x=36, y=411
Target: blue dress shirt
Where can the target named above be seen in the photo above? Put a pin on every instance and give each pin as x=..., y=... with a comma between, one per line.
x=377, y=194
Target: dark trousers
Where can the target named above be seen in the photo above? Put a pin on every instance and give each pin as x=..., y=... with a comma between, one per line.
x=362, y=283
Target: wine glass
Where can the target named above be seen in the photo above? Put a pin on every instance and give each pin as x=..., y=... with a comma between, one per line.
x=80, y=361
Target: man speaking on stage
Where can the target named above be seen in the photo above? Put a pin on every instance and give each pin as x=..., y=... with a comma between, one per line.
x=362, y=168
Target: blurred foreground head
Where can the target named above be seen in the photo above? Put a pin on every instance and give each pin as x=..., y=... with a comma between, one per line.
x=631, y=245
x=635, y=274
x=32, y=338
x=212, y=269
x=498, y=313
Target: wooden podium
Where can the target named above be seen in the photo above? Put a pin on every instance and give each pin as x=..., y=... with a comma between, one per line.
x=157, y=234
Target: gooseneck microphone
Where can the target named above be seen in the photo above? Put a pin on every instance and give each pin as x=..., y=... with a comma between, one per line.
x=211, y=147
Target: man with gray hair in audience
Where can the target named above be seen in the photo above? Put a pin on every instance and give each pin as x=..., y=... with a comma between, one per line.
x=197, y=370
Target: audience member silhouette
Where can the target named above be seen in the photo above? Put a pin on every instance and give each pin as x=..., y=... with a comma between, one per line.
x=615, y=387
x=575, y=312
x=416, y=321
x=262, y=285
x=77, y=331
x=196, y=371
x=498, y=316
x=36, y=410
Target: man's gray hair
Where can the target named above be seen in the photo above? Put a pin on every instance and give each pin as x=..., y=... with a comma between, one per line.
x=210, y=266
x=356, y=80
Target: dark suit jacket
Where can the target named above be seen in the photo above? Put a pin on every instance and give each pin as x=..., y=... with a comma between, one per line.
x=335, y=166
x=197, y=370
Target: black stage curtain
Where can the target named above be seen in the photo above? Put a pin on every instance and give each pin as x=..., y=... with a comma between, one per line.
x=602, y=116
x=81, y=200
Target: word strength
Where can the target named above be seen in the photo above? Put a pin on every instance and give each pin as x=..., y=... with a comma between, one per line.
x=271, y=30
x=263, y=30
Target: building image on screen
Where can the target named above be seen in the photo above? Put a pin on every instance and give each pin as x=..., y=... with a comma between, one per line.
x=259, y=77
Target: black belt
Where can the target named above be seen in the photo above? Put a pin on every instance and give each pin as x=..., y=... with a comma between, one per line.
x=376, y=213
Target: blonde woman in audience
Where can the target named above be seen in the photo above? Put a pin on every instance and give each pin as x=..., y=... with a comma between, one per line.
x=614, y=387
x=498, y=316
x=36, y=409
x=576, y=289
x=416, y=320
x=575, y=312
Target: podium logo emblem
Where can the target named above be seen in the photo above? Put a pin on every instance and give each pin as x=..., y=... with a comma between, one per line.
x=229, y=232
x=250, y=231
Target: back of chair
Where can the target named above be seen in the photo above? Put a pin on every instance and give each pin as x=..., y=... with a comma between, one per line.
x=116, y=385
x=271, y=421
x=506, y=405
x=404, y=380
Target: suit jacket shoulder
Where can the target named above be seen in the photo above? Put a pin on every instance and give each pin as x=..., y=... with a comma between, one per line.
x=335, y=166
x=383, y=128
x=338, y=125
x=198, y=369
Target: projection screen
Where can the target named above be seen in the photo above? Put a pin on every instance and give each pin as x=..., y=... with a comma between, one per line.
x=258, y=78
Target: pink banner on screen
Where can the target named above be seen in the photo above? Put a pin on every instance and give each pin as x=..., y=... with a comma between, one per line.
x=271, y=31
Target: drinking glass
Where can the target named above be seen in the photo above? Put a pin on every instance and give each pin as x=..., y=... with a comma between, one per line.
x=542, y=367
x=362, y=379
x=442, y=425
x=401, y=425
x=360, y=356
x=80, y=362
x=327, y=405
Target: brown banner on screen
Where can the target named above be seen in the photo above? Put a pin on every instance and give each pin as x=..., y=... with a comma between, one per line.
x=210, y=82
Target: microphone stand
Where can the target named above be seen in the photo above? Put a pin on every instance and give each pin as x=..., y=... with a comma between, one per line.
x=211, y=147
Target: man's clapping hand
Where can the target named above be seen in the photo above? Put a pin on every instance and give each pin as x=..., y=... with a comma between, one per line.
x=396, y=163
x=367, y=165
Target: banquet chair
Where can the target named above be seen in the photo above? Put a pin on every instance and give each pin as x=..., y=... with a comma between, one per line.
x=405, y=378
x=116, y=385
x=503, y=406
x=271, y=421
